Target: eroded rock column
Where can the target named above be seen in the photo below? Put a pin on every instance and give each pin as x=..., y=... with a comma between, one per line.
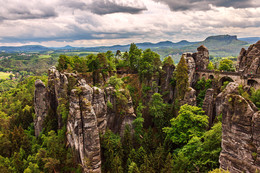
x=40, y=106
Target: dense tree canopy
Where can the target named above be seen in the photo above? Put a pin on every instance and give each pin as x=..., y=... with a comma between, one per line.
x=160, y=139
x=226, y=65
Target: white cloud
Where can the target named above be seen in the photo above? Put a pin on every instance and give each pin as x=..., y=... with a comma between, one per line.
x=58, y=23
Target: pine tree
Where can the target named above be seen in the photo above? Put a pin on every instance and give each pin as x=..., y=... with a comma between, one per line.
x=168, y=166
x=138, y=124
x=133, y=168
x=134, y=56
x=127, y=142
x=116, y=166
x=147, y=167
x=181, y=78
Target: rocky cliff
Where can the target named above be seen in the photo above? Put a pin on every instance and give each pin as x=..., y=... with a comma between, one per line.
x=240, y=131
x=165, y=81
x=40, y=105
x=249, y=60
x=209, y=106
x=88, y=113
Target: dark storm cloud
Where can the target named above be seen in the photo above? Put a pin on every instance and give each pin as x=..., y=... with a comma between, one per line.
x=184, y=5
x=102, y=7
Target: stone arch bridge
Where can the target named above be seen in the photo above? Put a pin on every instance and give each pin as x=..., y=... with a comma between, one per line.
x=238, y=77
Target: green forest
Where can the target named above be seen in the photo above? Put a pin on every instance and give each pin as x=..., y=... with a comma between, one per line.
x=168, y=136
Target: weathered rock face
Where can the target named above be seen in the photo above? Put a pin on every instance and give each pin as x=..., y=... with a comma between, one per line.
x=100, y=108
x=201, y=58
x=249, y=60
x=209, y=105
x=88, y=113
x=120, y=112
x=166, y=87
x=40, y=106
x=196, y=61
x=190, y=97
x=240, y=132
x=82, y=130
x=191, y=66
x=231, y=88
x=57, y=84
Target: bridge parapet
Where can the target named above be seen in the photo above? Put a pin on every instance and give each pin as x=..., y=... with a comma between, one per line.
x=229, y=73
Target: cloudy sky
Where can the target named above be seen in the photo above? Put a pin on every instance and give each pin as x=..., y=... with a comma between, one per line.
x=110, y=22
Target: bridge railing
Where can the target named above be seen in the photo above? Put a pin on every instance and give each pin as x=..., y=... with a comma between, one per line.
x=229, y=73
x=220, y=72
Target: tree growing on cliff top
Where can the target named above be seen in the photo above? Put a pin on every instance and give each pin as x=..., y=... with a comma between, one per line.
x=134, y=56
x=181, y=78
x=168, y=61
x=226, y=65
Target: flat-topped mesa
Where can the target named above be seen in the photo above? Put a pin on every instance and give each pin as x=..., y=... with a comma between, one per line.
x=249, y=60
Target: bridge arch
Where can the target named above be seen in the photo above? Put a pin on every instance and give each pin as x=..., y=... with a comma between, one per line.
x=252, y=83
x=211, y=76
x=225, y=79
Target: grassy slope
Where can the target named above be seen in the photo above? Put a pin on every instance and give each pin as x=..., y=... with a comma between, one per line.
x=4, y=75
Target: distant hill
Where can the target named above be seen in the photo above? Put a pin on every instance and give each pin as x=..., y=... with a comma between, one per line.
x=220, y=45
x=145, y=45
x=250, y=40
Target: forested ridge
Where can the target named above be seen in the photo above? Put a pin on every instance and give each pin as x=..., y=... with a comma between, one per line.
x=168, y=135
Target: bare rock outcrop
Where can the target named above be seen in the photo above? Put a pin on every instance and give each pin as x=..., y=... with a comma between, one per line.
x=209, y=105
x=120, y=111
x=82, y=129
x=88, y=116
x=100, y=108
x=201, y=58
x=191, y=66
x=57, y=87
x=166, y=87
x=40, y=106
x=231, y=88
x=240, y=131
x=189, y=97
x=249, y=60
x=196, y=61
